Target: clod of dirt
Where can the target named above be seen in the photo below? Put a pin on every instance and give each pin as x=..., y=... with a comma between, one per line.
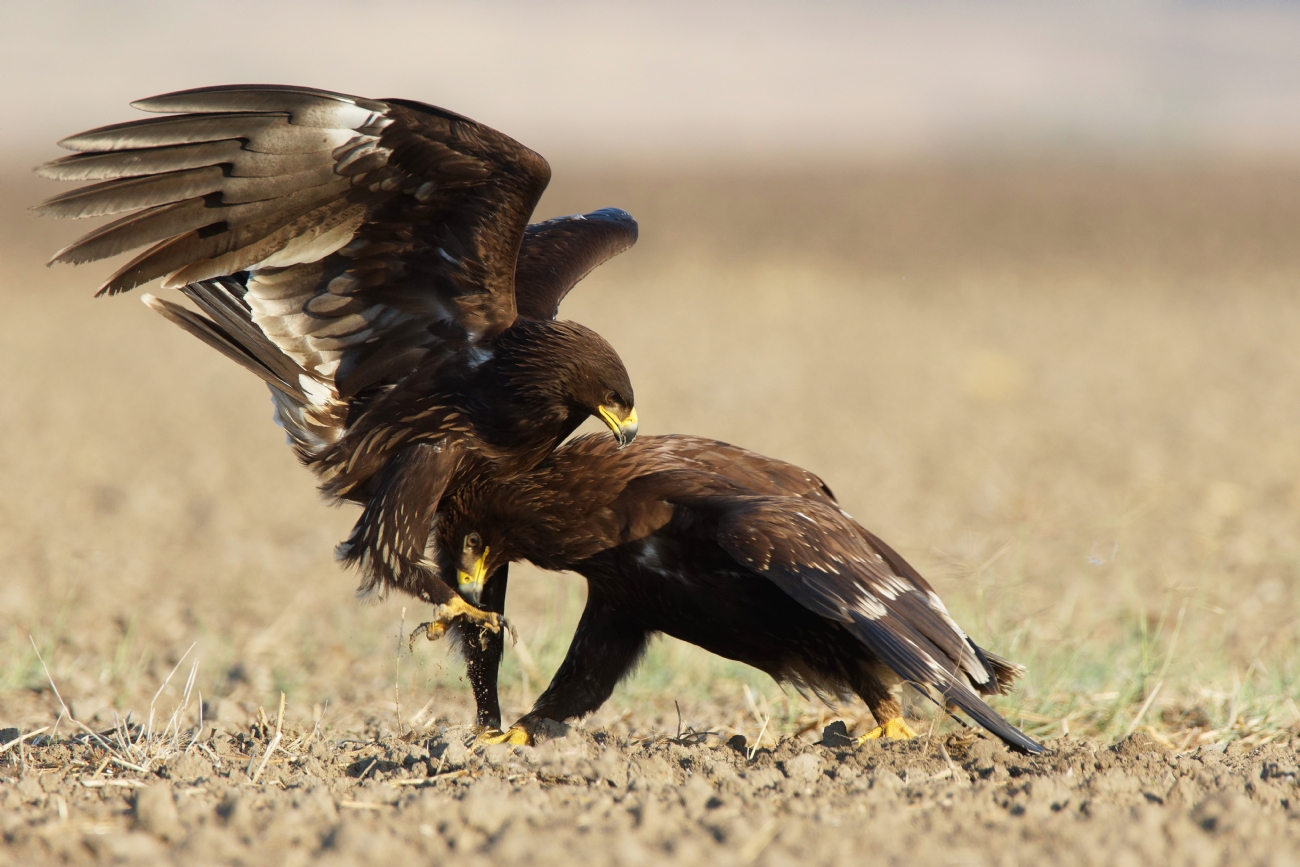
x=836, y=735
x=155, y=812
x=1223, y=813
x=188, y=768
x=452, y=755
x=1138, y=744
x=804, y=769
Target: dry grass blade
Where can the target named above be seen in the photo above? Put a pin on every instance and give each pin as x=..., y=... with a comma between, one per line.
x=1142, y=711
x=753, y=751
x=105, y=744
x=957, y=774
x=118, y=784
x=316, y=725
x=132, y=766
x=4, y=748
x=166, y=680
x=270, y=748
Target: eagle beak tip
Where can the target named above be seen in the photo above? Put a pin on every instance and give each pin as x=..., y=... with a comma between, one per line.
x=624, y=429
x=626, y=434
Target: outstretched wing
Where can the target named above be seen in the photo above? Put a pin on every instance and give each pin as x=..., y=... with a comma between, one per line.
x=367, y=234
x=817, y=555
x=557, y=253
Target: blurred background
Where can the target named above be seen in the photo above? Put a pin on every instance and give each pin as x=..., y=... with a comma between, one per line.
x=1019, y=280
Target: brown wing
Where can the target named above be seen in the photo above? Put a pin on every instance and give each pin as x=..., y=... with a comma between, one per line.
x=389, y=541
x=741, y=470
x=557, y=253
x=813, y=552
x=373, y=232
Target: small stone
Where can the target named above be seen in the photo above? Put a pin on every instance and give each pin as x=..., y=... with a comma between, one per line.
x=9, y=735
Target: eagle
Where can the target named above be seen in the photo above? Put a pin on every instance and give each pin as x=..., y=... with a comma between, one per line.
x=745, y=556
x=372, y=262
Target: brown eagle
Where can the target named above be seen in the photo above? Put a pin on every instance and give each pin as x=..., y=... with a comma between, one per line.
x=372, y=262
x=747, y=557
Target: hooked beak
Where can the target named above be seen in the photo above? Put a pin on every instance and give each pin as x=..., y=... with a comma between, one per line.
x=624, y=429
x=470, y=583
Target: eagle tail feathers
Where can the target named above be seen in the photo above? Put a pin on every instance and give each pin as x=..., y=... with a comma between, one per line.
x=916, y=660
x=1005, y=673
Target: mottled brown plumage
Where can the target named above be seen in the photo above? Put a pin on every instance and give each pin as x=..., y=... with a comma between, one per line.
x=372, y=262
x=745, y=556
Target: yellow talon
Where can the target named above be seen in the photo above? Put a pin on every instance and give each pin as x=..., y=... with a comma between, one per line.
x=515, y=736
x=894, y=729
x=457, y=608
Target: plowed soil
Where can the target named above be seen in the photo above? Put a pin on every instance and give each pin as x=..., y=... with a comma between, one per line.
x=588, y=797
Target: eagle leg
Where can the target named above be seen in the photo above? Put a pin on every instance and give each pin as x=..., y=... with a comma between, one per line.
x=895, y=729
x=483, y=657
x=458, y=609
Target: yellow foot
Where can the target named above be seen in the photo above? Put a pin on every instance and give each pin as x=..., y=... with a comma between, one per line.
x=515, y=736
x=895, y=729
x=457, y=609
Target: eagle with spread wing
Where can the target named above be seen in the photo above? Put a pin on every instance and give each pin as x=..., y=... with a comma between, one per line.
x=747, y=557
x=372, y=262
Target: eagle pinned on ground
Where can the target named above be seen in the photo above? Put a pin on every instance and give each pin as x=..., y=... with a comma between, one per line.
x=747, y=557
x=372, y=262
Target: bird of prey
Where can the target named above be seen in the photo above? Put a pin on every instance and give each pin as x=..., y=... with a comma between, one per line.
x=372, y=262
x=744, y=556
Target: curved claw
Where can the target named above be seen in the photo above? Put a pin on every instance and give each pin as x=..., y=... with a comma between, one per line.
x=457, y=609
x=515, y=736
x=895, y=729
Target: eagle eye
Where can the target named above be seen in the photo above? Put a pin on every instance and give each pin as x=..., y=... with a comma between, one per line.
x=473, y=541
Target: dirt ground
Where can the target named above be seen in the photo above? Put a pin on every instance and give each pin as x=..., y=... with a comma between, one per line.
x=593, y=797
x=1066, y=392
